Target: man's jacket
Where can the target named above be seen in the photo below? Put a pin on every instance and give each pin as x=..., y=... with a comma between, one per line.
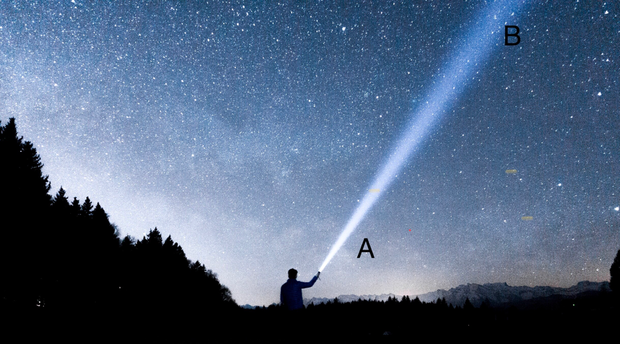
x=290, y=293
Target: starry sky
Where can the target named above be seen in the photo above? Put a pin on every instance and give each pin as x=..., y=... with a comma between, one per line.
x=250, y=131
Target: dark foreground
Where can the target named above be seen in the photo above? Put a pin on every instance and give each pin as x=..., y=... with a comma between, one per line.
x=592, y=316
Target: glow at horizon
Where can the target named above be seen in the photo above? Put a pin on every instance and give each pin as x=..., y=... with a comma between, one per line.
x=474, y=48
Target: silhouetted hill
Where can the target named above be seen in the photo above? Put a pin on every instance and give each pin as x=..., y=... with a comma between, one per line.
x=494, y=294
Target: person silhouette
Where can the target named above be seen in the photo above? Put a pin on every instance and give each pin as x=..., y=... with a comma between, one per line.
x=290, y=293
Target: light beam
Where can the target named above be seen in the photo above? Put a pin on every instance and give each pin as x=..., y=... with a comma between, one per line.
x=475, y=47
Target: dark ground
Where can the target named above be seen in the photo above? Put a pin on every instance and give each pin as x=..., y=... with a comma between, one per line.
x=589, y=317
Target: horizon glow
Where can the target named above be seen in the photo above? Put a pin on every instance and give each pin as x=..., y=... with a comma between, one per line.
x=476, y=47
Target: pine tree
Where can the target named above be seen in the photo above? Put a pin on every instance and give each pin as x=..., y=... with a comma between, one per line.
x=76, y=208
x=468, y=305
x=152, y=240
x=87, y=208
x=24, y=210
x=21, y=172
x=103, y=229
x=614, y=282
x=60, y=203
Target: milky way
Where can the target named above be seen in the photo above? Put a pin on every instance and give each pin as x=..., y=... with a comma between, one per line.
x=251, y=132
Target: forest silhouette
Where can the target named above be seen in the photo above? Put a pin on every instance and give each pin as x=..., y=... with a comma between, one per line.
x=64, y=262
x=67, y=273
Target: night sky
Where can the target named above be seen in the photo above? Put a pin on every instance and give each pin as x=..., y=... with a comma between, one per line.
x=250, y=131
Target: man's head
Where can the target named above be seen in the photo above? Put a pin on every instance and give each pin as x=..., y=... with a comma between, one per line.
x=292, y=273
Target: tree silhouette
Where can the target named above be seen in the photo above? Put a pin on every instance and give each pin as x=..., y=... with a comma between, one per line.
x=87, y=208
x=68, y=258
x=468, y=305
x=24, y=208
x=60, y=203
x=76, y=208
x=614, y=271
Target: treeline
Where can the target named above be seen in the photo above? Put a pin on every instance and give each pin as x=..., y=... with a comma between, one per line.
x=367, y=319
x=65, y=257
x=407, y=319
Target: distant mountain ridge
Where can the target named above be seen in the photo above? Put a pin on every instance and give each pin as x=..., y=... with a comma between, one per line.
x=350, y=298
x=495, y=294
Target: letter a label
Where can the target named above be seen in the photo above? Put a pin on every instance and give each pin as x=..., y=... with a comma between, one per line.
x=514, y=34
x=369, y=250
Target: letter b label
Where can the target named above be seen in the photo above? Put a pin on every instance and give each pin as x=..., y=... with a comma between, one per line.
x=511, y=31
